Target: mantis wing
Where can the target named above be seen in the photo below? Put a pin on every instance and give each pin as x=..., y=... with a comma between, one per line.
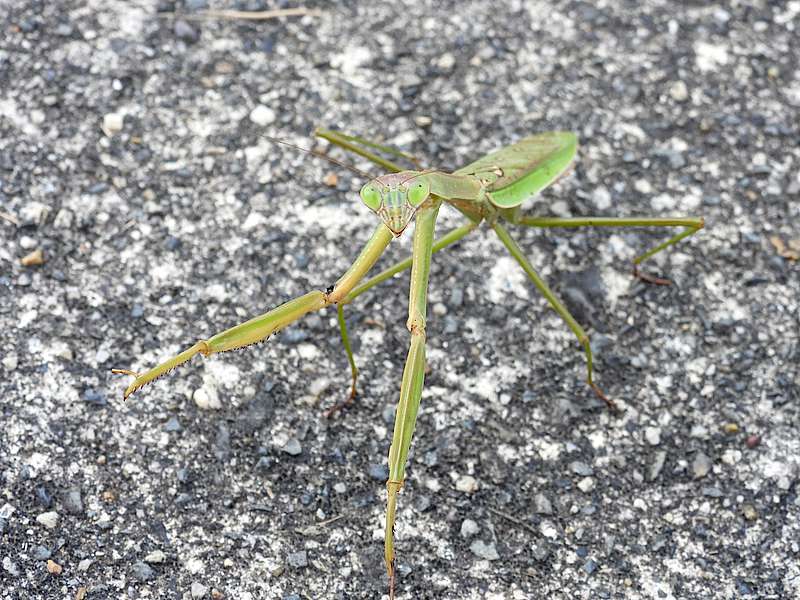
x=525, y=168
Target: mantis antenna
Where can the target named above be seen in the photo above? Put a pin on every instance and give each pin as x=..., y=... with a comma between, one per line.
x=318, y=154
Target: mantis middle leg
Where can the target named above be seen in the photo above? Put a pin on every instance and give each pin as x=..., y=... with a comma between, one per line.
x=562, y=311
x=450, y=238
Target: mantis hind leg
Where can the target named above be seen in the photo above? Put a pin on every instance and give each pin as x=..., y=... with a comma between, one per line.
x=557, y=305
x=691, y=226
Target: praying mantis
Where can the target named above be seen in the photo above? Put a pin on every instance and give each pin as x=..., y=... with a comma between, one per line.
x=491, y=190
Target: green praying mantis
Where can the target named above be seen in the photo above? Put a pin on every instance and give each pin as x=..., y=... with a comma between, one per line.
x=492, y=190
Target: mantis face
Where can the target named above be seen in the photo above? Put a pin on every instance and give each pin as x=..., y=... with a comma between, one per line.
x=396, y=197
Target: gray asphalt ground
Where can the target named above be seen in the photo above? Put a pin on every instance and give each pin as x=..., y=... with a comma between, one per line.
x=130, y=156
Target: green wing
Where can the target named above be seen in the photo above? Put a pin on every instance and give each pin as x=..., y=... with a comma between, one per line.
x=524, y=169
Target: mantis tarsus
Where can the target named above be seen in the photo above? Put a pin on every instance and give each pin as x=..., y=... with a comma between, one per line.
x=491, y=189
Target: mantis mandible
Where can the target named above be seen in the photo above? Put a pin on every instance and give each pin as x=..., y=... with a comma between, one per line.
x=491, y=189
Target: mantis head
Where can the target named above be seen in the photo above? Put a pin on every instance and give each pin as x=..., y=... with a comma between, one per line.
x=396, y=197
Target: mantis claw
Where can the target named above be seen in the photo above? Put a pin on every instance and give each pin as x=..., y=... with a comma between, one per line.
x=124, y=372
x=391, y=584
x=142, y=379
x=341, y=405
x=649, y=278
x=612, y=406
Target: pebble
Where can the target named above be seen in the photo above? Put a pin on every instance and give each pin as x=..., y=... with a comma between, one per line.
x=172, y=425
x=207, y=397
x=293, y=447
x=469, y=528
x=72, y=501
x=675, y=159
x=679, y=91
x=84, y=565
x=652, y=435
x=542, y=504
x=483, y=550
x=379, y=472
x=548, y=530
x=601, y=198
x=184, y=31
x=10, y=361
x=701, y=465
x=142, y=571
x=581, y=468
x=33, y=259
x=730, y=428
x=48, y=519
x=423, y=503
x=590, y=566
x=263, y=115
x=586, y=484
x=10, y=566
x=657, y=466
x=102, y=356
x=41, y=553
x=446, y=62
x=113, y=123
x=456, y=297
x=540, y=551
x=222, y=443
x=195, y=566
x=43, y=496
x=388, y=414
x=92, y=396
x=752, y=441
x=265, y=463
x=155, y=557
x=198, y=590
x=467, y=484
x=298, y=560
x=749, y=511
x=33, y=213
x=54, y=568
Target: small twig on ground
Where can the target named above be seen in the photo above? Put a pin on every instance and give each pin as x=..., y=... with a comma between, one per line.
x=247, y=15
x=316, y=528
x=522, y=524
x=9, y=217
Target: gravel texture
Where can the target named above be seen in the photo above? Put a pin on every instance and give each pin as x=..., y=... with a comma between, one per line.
x=130, y=157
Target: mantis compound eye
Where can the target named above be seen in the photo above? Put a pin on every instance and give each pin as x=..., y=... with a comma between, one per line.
x=371, y=197
x=418, y=191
